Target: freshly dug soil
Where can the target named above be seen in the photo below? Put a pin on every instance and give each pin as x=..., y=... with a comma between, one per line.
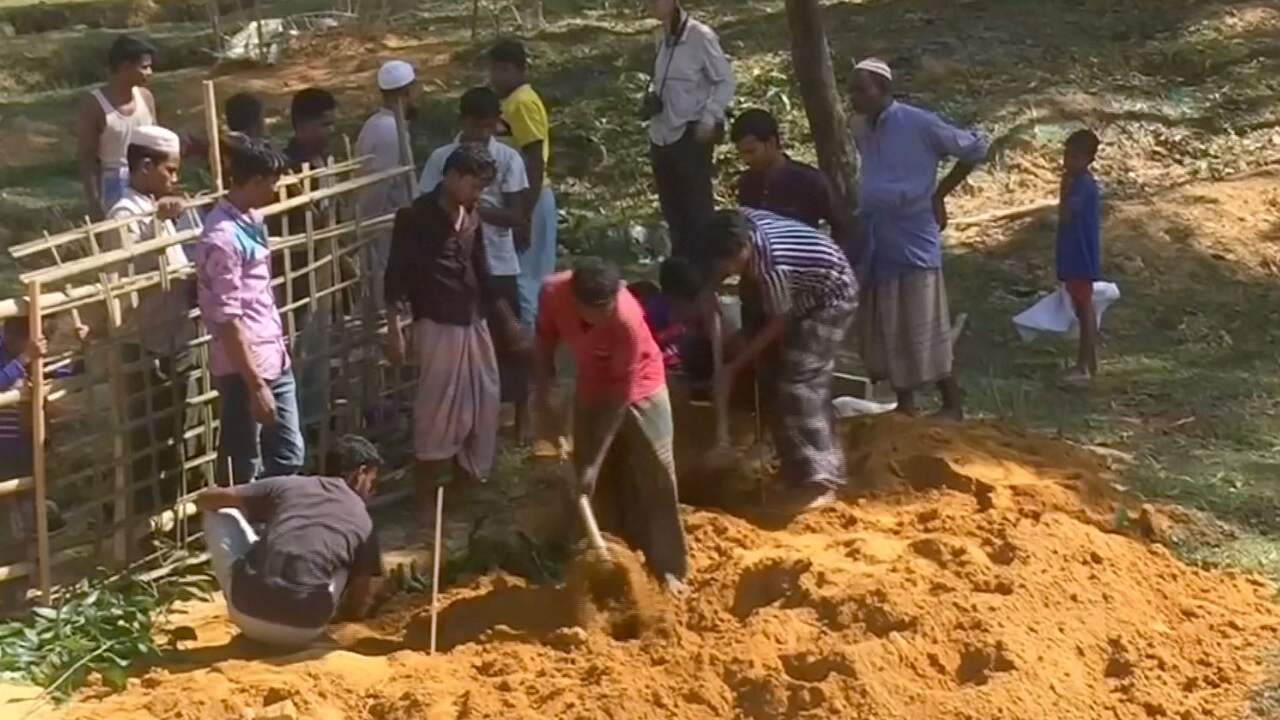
x=981, y=579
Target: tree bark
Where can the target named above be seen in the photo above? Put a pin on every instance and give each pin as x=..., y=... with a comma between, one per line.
x=811, y=57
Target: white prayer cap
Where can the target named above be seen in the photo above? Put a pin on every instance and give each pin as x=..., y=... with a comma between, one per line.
x=156, y=138
x=395, y=74
x=876, y=66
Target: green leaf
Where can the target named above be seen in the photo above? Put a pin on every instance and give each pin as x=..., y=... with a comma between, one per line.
x=116, y=678
x=45, y=613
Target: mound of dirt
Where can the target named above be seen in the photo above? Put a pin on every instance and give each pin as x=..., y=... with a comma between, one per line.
x=979, y=583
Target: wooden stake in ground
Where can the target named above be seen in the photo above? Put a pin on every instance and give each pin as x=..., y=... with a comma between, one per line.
x=435, y=566
x=38, y=470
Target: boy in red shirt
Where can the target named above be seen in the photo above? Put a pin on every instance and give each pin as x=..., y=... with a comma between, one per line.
x=622, y=426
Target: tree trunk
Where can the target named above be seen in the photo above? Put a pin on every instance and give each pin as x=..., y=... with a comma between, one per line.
x=812, y=60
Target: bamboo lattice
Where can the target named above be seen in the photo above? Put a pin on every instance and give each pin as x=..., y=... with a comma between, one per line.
x=131, y=434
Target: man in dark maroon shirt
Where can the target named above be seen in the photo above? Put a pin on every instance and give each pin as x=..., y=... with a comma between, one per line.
x=775, y=182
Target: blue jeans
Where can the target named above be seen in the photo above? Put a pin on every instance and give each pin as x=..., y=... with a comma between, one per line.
x=539, y=260
x=258, y=451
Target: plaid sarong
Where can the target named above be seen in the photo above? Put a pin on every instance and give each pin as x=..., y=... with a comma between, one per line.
x=636, y=493
x=904, y=329
x=803, y=420
x=455, y=413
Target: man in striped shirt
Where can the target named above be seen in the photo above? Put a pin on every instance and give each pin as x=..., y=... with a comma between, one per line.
x=809, y=296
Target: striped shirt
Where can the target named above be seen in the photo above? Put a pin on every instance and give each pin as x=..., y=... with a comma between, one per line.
x=799, y=269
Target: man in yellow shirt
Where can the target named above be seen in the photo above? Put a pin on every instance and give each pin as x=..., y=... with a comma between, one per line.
x=529, y=131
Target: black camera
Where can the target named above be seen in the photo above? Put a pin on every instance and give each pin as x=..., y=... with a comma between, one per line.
x=650, y=106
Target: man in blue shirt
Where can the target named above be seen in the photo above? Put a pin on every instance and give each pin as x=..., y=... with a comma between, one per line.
x=17, y=510
x=904, y=323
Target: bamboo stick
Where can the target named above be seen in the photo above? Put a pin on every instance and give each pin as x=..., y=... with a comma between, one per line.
x=39, y=472
x=16, y=485
x=211, y=124
x=119, y=418
x=31, y=247
x=82, y=265
x=406, y=147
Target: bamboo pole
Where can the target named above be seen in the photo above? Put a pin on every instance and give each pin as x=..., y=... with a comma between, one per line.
x=119, y=420
x=211, y=127
x=406, y=147
x=38, y=469
x=436, y=551
x=83, y=265
x=263, y=55
x=215, y=24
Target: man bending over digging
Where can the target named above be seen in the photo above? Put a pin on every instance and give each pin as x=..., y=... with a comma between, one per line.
x=317, y=546
x=622, y=427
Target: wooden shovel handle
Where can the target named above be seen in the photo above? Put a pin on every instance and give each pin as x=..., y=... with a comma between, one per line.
x=589, y=522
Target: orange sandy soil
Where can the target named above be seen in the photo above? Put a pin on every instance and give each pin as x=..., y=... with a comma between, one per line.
x=980, y=579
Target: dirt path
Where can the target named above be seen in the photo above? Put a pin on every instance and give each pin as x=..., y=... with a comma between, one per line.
x=983, y=581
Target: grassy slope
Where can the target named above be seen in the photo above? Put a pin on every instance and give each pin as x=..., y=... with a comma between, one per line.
x=1182, y=90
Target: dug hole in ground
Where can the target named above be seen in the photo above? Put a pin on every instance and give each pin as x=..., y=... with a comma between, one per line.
x=983, y=576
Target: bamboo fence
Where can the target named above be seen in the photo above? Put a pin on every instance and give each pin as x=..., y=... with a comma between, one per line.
x=127, y=433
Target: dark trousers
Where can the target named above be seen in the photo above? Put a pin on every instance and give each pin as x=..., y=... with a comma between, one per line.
x=682, y=172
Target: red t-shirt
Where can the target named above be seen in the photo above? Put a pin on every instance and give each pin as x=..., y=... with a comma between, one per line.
x=615, y=357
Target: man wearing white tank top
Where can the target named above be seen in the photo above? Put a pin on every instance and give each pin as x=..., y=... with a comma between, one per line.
x=107, y=120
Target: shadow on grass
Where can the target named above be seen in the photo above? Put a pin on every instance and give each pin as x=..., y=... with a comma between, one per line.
x=1189, y=383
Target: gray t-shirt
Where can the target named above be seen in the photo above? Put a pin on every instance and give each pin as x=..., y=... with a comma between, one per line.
x=315, y=526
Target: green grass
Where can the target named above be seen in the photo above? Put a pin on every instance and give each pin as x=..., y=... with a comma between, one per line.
x=1181, y=93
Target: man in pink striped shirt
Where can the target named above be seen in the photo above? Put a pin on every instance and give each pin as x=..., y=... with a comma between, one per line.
x=260, y=425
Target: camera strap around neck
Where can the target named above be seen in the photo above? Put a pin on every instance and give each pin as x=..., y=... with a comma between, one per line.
x=671, y=51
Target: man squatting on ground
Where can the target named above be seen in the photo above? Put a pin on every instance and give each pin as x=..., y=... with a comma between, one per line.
x=317, y=547
x=252, y=371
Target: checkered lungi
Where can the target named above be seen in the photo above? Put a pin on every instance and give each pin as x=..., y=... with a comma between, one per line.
x=636, y=496
x=803, y=419
x=904, y=329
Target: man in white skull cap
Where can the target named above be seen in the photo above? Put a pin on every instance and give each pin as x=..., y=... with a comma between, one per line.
x=156, y=327
x=379, y=143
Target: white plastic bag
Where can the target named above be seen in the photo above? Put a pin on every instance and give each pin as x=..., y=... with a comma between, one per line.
x=1054, y=314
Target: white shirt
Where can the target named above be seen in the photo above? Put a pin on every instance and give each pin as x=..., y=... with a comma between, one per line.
x=133, y=203
x=695, y=80
x=378, y=140
x=499, y=242
x=159, y=320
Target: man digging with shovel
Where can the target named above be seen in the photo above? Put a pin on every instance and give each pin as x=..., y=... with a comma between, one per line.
x=622, y=426
x=809, y=295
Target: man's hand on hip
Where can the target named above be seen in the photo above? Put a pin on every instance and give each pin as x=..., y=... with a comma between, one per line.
x=940, y=211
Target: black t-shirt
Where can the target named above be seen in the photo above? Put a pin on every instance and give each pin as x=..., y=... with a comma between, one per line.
x=315, y=526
